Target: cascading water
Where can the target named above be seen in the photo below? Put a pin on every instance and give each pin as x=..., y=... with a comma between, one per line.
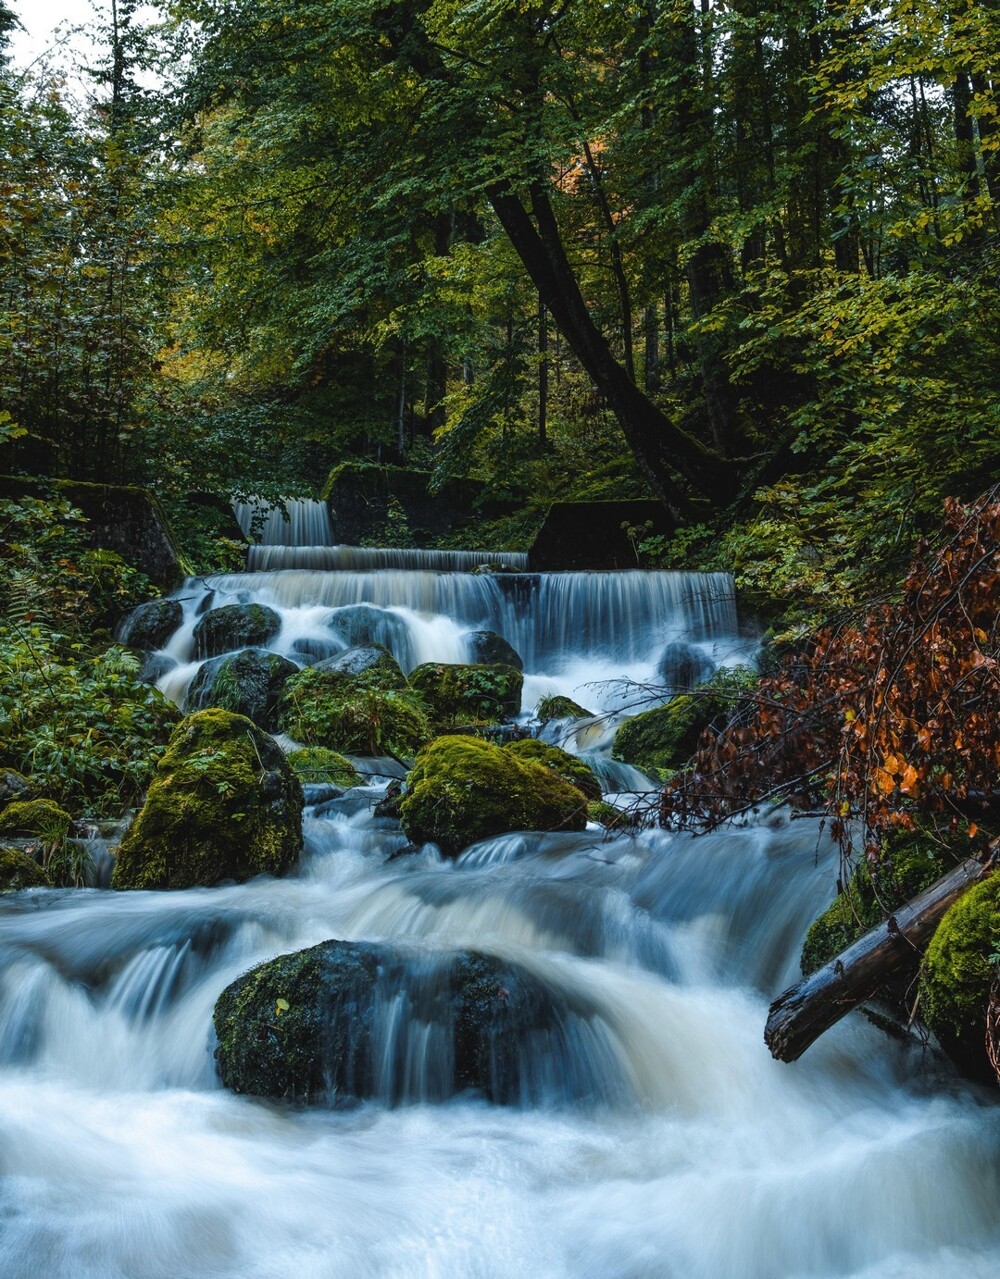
x=662, y=1142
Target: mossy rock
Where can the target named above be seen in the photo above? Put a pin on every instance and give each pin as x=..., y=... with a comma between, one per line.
x=570, y=767
x=223, y=630
x=462, y=790
x=313, y=697
x=366, y=722
x=957, y=974
x=316, y=765
x=40, y=817
x=466, y=692
x=248, y=683
x=224, y=804
x=490, y=649
x=18, y=870
x=14, y=786
x=908, y=866
x=151, y=625
x=560, y=708
x=609, y=817
x=311, y=1026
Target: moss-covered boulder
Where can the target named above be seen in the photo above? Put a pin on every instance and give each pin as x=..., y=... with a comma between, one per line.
x=151, y=625
x=569, y=767
x=233, y=626
x=908, y=866
x=364, y=723
x=248, y=683
x=365, y=625
x=460, y=692
x=462, y=789
x=487, y=648
x=224, y=804
x=35, y=817
x=317, y=766
x=312, y=1027
x=958, y=970
x=560, y=708
x=14, y=786
x=18, y=870
x=369, y=668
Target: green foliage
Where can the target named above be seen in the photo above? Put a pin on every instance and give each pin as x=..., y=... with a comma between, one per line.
x=224, y=804
x=461, y=790
x=468, y=693
x=84, y=729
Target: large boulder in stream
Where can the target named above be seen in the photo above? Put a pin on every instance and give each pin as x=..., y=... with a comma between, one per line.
x=19, y=871
x=224, y=805
x=351, y=1020
x=248, y=683
x=458, y=693
x=487, y=648
x=360, y=625
x=462, y=789
x=571, y=768
x=233, y=626
x=151, y=625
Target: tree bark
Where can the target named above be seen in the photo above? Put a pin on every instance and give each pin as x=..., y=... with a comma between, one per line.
x=799, y=1016
x=661, y=448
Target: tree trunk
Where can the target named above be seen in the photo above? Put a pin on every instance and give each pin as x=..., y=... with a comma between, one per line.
x=799, y=1016
x=661, y=448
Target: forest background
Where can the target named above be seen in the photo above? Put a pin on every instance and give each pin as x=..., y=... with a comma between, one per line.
x=742, y=258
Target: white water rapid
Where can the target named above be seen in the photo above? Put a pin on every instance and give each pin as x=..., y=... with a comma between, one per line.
x=692, y=1155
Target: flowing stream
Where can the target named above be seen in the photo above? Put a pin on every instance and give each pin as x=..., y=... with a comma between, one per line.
x=683, y=1151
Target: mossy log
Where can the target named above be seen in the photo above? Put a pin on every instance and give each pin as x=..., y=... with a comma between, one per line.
x=802, y=1013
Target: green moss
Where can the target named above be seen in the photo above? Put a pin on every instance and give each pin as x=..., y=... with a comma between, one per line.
x=365, y=723
x=224, y=804
x=569, y=767
x=957, y=970
x=560, y=708
x=462, y=789
x=39, y=817
x=908, y=866
x=312, y=699
x=609, y=817
x=18, y=870
x=459, y=693
x=315, y=764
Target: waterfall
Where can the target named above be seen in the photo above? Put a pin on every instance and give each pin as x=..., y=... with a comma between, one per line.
x=304, y=522
x=265, y=559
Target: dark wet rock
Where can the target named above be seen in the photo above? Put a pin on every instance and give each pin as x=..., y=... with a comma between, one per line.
x=682, y=666
x=310, y=651
x=151, y=625
x=488, y=648
x=353, y=1020
x=14, y=786
x=365, y=624
x=223, y=630
x=224, y=804
x=155, y=666
x=249, y=683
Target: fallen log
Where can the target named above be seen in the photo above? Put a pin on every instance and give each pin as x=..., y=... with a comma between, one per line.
x=802, y=1013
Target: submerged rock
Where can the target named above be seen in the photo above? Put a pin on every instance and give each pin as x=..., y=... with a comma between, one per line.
x=683, y=667
x=352, y=1020
x=223, y=630
x=248, y=683
x=463, y=691
x=462, y=790
x=487, y=648
x=569, y=767
x=151, y=625
x=365, y=624
x=224, y=804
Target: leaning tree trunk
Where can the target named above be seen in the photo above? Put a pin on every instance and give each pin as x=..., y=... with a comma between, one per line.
x=800, y=1015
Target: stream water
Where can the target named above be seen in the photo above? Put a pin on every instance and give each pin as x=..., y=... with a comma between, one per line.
x=692, y=1155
